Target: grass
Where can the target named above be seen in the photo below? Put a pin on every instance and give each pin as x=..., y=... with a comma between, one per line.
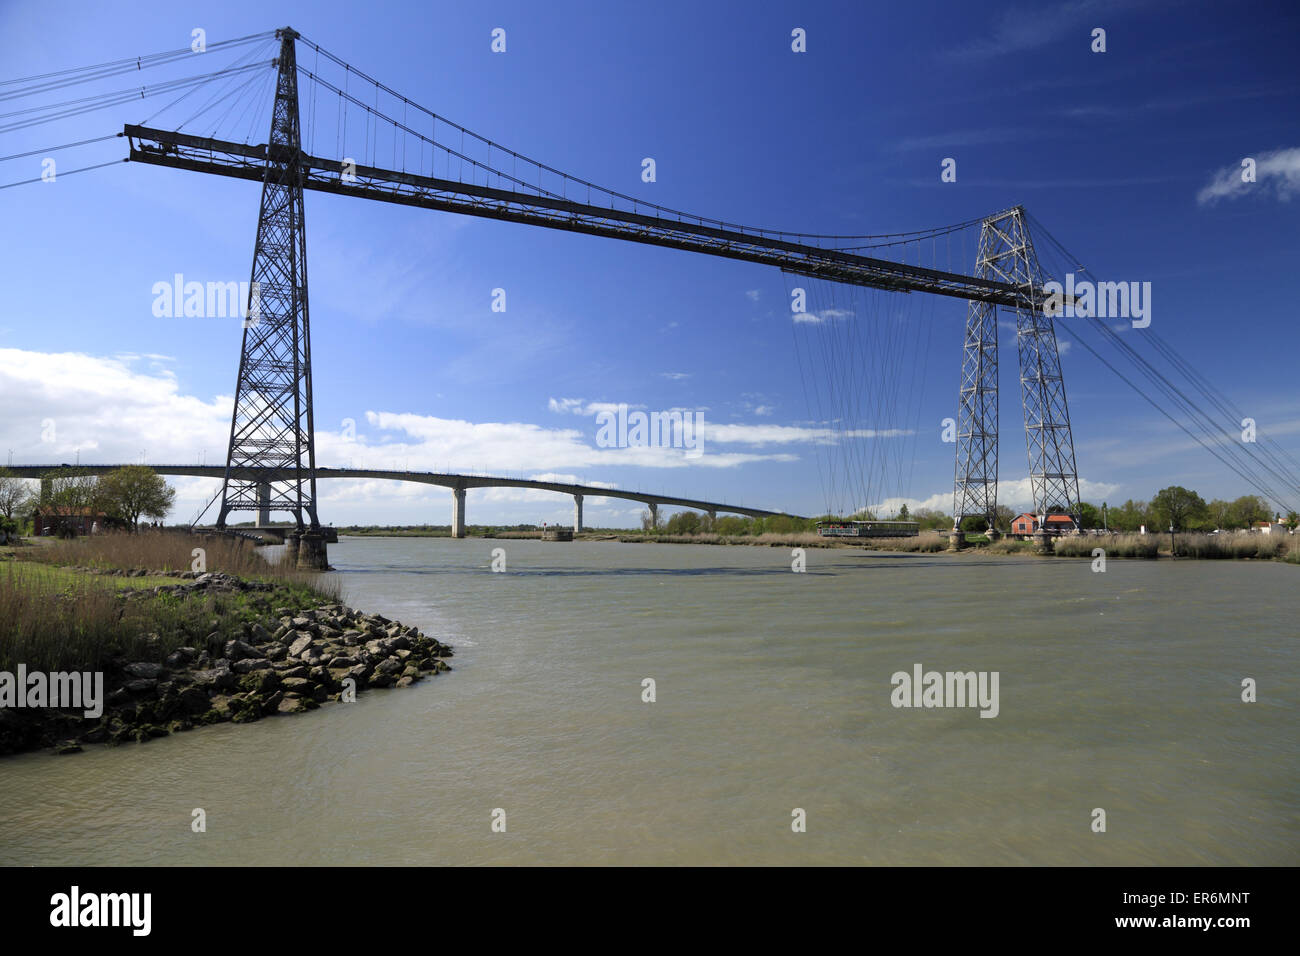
x=169, y=551
x=53, y=617
x=1202, y=546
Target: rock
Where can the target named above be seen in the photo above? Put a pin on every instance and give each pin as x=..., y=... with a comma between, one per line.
x=405, y=681
x=260, y=682
x=299, y=645
x=351, y=638
x=144, y=669
x=297, y=685
x=237, y=650
x=276, y=652
x=193, y=700
x=298, y=670
x=342, y=661
x=182, y=656
x=118, y=697
x=290, y=705
x=141, y=685
x=272, y=703
x=259, y=634
x=389, y=667
x=412, y=672
x=381, y=680
x=221, y=677
x=250, y=664
x=68, y=747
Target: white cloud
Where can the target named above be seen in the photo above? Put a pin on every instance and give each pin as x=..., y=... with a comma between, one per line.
x=1016, y=495
x=1276, y=172
x=754, y=294
x=817, y=318
x=675, y=376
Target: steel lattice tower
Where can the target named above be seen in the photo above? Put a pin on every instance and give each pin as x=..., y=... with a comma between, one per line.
x=271, y=462
x=1006, y=253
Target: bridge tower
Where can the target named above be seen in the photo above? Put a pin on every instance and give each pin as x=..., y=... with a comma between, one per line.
x=271, y=461
x=1006, y=254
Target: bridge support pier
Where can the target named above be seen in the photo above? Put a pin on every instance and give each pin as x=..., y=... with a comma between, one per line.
x=311, y=552
x=458, y=512
x=654, y=516
x=291, y=542
x=956, y=540
x=263, y=503
x=577, y=514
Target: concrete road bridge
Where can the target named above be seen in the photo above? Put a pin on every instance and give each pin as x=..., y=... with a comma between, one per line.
x=458, y=484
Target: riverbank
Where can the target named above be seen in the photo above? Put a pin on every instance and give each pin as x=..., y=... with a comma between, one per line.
x=1192, y=546
x=165, y=650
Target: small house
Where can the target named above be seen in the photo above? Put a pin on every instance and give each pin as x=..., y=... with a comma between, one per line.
x=50, y=520
x=1026, y=524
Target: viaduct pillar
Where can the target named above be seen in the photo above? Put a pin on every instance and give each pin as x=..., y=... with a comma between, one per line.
x=458, y=512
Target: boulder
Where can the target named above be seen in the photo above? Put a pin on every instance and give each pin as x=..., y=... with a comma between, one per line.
x=144, y=669
x=237, y=650
x=300, y=644
x=219, y=677
x=296, y=685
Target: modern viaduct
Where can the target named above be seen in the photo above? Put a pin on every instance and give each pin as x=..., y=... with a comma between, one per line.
x=458, y=484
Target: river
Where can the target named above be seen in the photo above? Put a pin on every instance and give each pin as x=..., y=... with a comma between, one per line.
x=1118, y=690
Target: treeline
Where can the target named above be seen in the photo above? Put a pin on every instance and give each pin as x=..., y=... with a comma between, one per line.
x=123, y=496
x=1180, y=507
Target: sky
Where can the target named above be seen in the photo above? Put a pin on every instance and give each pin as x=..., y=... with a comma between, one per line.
x=1131, y=157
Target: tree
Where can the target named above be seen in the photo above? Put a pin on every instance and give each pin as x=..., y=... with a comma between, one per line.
x=731, y=524
x=1089, y=516
x=1130, y=516
x=903, y=514
x=1292, y=520
x=1002, y=517
x=1219, y=514
x=684, y=522
x=1177, y=507
x=927, y=519
x=15, y=494
x=1246, y=510
x=136, y=490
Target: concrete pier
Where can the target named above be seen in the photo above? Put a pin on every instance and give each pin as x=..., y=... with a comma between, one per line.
x=291, y=544
x=654, y=516
x=458, y=512
x=312, y=552
x=577, y=514
x=1043, y=542
x=956, y=540
x=263, y=503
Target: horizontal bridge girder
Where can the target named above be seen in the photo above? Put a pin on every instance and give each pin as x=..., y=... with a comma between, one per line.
x=254, y=474
x=239, y=160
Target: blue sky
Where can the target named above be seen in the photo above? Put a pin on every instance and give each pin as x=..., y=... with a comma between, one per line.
x=1109, y=150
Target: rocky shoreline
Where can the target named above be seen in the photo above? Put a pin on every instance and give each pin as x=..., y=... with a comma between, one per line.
x=294, y=661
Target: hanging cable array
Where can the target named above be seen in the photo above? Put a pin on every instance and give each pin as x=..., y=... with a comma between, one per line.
x=1263, y=464
x=862, y=349
x=236, y=90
